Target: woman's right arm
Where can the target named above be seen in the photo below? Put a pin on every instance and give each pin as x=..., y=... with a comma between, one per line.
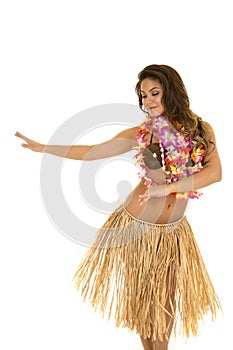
x=121, y=143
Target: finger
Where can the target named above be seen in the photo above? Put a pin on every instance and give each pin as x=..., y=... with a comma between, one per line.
x=18, y=134
x=141, y=197
x=142, y=202
x=22, y=136
x=144, y=194
x=25, y=145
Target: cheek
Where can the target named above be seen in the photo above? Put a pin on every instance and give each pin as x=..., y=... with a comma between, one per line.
x=159, y=101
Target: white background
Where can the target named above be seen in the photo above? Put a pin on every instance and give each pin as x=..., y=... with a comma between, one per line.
x=57, y=59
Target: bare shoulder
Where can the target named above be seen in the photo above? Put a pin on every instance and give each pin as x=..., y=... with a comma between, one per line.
x=129, y=134
x=212, y=156
x=209, y=129
x=207, y=125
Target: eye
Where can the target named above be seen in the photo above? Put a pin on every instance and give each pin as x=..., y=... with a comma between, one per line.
x=143, y=96
x=155, y=93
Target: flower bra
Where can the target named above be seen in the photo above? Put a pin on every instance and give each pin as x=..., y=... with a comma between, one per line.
x=178, y=155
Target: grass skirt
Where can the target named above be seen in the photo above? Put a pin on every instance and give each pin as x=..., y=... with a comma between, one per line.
x=142, y=274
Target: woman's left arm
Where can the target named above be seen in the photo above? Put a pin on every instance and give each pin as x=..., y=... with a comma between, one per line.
x=211, y=173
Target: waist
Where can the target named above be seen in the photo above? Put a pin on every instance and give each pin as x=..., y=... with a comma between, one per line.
x=138, y=218
x=159, y=210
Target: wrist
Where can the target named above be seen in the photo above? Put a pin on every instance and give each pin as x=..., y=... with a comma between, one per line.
x=170, y=188
x=41, y=148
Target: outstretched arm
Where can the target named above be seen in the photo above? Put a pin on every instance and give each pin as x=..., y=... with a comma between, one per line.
x=211, y=173
x=121, y=143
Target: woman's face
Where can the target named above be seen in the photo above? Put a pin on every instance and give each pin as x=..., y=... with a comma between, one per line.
x=151, y=91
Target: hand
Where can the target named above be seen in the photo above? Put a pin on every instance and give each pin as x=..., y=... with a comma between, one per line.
x=154, y=191
x=32, y=145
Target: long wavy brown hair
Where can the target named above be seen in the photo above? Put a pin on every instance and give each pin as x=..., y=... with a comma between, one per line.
x=176, y=102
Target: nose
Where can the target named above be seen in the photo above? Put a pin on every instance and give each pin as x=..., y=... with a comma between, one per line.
x=148, y=101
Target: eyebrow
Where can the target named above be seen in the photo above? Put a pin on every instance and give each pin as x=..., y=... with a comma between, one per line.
x=155, y=87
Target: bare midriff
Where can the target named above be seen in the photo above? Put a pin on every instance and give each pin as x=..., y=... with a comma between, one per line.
x=159, y=210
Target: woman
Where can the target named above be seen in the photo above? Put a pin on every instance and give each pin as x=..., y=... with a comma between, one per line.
x=145, y=267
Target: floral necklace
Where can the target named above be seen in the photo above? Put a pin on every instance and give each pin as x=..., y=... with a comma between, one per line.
x=181, y=156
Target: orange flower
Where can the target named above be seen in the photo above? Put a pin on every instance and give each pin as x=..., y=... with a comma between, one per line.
x=197, y=154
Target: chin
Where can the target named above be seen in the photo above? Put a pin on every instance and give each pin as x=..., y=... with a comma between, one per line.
x=154, y=113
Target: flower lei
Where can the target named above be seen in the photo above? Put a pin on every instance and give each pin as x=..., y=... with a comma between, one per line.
x=182, y=155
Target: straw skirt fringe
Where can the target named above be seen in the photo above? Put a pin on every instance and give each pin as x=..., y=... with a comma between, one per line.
x=140, y=273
